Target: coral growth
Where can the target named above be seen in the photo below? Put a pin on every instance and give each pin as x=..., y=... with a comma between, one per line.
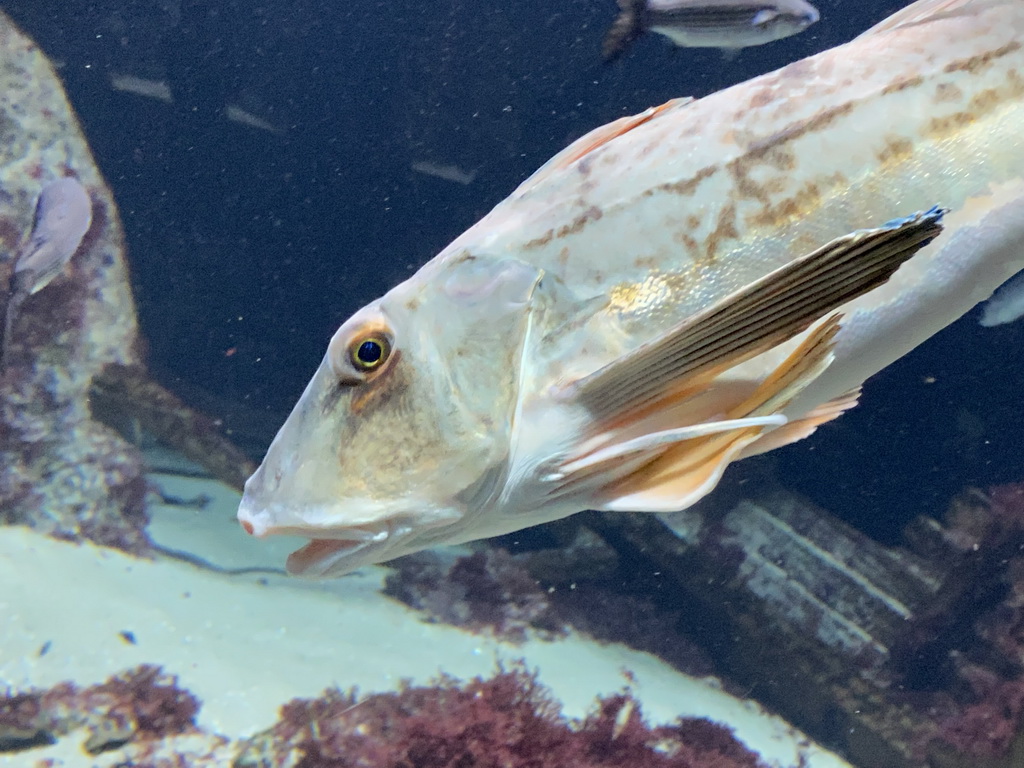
x=507, y=721
x=139, y=705
x=488, y=590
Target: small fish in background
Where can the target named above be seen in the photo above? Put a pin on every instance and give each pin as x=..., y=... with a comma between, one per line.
x=726, y=24
x=63, y=216
x=159, y=90
x=450, y=173
x=140, y=86
x=1006, y=304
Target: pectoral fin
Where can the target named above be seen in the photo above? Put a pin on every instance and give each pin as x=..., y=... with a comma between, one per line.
x=687, y=470
x=803, y=427
x=755, y=318
x=665, y=424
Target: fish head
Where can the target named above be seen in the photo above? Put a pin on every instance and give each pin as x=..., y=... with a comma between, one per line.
x=784, y=18
x=406, y=423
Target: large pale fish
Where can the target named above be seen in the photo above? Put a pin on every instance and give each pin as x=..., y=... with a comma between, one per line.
x=726, y=24
x=655, y=302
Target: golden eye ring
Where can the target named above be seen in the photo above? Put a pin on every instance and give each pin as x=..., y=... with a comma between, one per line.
x=369, y=352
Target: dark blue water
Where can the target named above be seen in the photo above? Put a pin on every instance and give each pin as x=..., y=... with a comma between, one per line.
x=249, y=248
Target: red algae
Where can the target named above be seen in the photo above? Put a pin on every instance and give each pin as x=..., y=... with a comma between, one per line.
x=506, y=721
x=988, y=728
x=139, y=705
x=486, y=591
x=983, y=710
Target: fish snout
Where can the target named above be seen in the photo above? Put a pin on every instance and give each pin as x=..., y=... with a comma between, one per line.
x=255, y=521
x=255, y=511
x=262, y=520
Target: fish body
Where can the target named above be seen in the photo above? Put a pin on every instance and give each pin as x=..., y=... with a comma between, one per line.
x=62, y=216
x=726, y=24
x=611, y=335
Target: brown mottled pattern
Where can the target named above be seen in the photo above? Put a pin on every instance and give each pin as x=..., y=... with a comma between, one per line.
x=737, y=183
x=724, y=229
x=978, y=64
x=902, y=84
x=896, y=150
x=981, y=105
x=947, y=92
x=686, y=187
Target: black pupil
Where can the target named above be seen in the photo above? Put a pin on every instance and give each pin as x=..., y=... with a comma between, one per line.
x=369, y=352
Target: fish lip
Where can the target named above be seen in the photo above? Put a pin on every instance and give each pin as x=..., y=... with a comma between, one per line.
x=318, y=558
x=261, y=519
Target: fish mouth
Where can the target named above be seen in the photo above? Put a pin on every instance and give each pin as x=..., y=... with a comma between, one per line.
x=333, y=550
x=324, y=557
x=316, y=558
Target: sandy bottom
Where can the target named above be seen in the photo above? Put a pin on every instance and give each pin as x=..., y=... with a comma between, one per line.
x=246, y=644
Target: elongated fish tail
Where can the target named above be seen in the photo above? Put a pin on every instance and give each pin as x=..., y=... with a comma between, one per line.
x=626, y=28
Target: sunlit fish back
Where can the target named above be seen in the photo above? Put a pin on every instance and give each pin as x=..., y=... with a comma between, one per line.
x=660, y=299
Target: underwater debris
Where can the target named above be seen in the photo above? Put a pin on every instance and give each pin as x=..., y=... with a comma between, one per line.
x=507, y=721
x=486, y=591
x=139, y=705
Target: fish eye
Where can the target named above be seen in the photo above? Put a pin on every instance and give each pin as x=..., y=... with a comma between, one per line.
x=369, y=352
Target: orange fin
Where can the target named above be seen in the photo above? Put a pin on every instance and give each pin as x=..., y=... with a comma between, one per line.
x=682, y=474
x=798, y=429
